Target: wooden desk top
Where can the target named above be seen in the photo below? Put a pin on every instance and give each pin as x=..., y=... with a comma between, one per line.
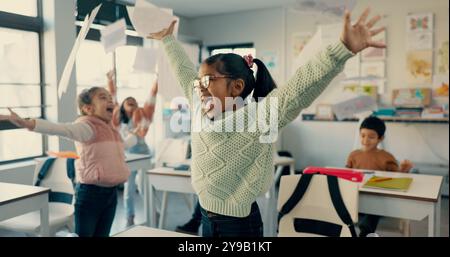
x=14, y=192
x=135, y=157
x=169, y=172
x=283, y=160
x=423, y=187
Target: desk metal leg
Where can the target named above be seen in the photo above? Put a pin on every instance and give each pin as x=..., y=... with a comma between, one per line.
x=45, y=232
x=271, y=213
x=146, y=201
x=271, y=209
x=141, y=179
x=278, y=173
x=434, y=219
x=162, y=215
x=152, y=207
x=431, y=221
x=292, y=169
x=437, y=218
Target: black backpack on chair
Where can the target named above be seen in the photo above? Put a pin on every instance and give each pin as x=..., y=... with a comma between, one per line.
x=331, y=219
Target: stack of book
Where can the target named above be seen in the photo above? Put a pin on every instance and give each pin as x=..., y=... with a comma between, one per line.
x=435, y=112
x=409, y=112
x=385, y=112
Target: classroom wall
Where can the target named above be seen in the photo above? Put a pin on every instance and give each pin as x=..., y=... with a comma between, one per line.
x=264, y=28
x=328, y=143
x=59, y=38
x=427, y=143
x=312, y=143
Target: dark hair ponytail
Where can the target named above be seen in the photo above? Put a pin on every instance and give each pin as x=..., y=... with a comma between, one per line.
x=123, y=117
x=264, y=81
x=236, y=66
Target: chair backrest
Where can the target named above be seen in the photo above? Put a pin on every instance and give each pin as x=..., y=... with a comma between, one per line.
x=57, y=178
x=316, y=213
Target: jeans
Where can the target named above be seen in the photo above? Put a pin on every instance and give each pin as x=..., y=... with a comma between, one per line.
x=95, y=208
x=130, y=186
x=217, y=225
x=129, y=192
x=197, y=215
x=368, y=224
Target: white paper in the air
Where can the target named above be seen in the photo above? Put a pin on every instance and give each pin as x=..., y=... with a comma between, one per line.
x=64, y=81
x=114, y=35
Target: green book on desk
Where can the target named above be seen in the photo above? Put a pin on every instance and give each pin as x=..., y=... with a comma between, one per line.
x=397, y=184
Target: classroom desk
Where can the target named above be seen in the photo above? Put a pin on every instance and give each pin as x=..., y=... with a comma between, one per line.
x=142, y=231
x=423, y=199
x=170, y=180
x=141, y=163
x=166, y=180
x=16, y=200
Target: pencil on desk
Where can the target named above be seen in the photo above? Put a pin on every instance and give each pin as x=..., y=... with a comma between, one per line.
x=381, y=179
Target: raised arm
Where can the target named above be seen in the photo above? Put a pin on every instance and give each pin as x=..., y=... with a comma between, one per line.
x=149, y=105
x=311, y=79
x=112, y=89
x=111, y=84
x=78, y=131
x=181, y=64
x=143, y=117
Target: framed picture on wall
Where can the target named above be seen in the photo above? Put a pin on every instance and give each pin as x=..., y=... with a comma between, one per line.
x=420, y=22
x=411, y=97
x=324, y=112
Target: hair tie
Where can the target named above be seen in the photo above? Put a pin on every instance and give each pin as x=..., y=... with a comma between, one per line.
x=249, y=60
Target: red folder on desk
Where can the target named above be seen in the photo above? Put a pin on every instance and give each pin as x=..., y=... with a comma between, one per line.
x=348, y=174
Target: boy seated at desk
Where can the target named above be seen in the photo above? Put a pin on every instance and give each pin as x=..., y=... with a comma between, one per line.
x=369, y=157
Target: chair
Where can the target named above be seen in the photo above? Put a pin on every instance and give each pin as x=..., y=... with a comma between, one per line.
x=61, y=201
x=312, y=210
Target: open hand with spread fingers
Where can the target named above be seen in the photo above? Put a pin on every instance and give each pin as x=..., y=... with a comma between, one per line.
x=359, y=36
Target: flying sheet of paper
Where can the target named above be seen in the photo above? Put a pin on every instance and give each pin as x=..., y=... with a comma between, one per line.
x=114, y=35
x=168, y=85
x=146, y=59
x=335, y=7
x=324, y=36
x=148, y=18
x=64, y=81
x=309, y=51
x=349, y=108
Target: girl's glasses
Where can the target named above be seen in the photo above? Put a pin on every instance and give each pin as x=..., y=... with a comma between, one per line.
x=204, y=81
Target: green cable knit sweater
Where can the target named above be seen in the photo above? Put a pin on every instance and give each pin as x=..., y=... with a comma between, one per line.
x=231, y=169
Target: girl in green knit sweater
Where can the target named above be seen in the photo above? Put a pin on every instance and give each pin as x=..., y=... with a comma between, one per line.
x=232, y=167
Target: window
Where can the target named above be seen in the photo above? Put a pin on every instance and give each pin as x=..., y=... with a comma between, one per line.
x=21, y=85
x=240, y=49
x=23, y=7
x=93, y=64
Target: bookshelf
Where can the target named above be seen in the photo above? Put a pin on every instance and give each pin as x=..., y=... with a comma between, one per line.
x=310, y=118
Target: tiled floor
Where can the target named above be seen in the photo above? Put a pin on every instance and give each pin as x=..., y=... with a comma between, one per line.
x=178, y=213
